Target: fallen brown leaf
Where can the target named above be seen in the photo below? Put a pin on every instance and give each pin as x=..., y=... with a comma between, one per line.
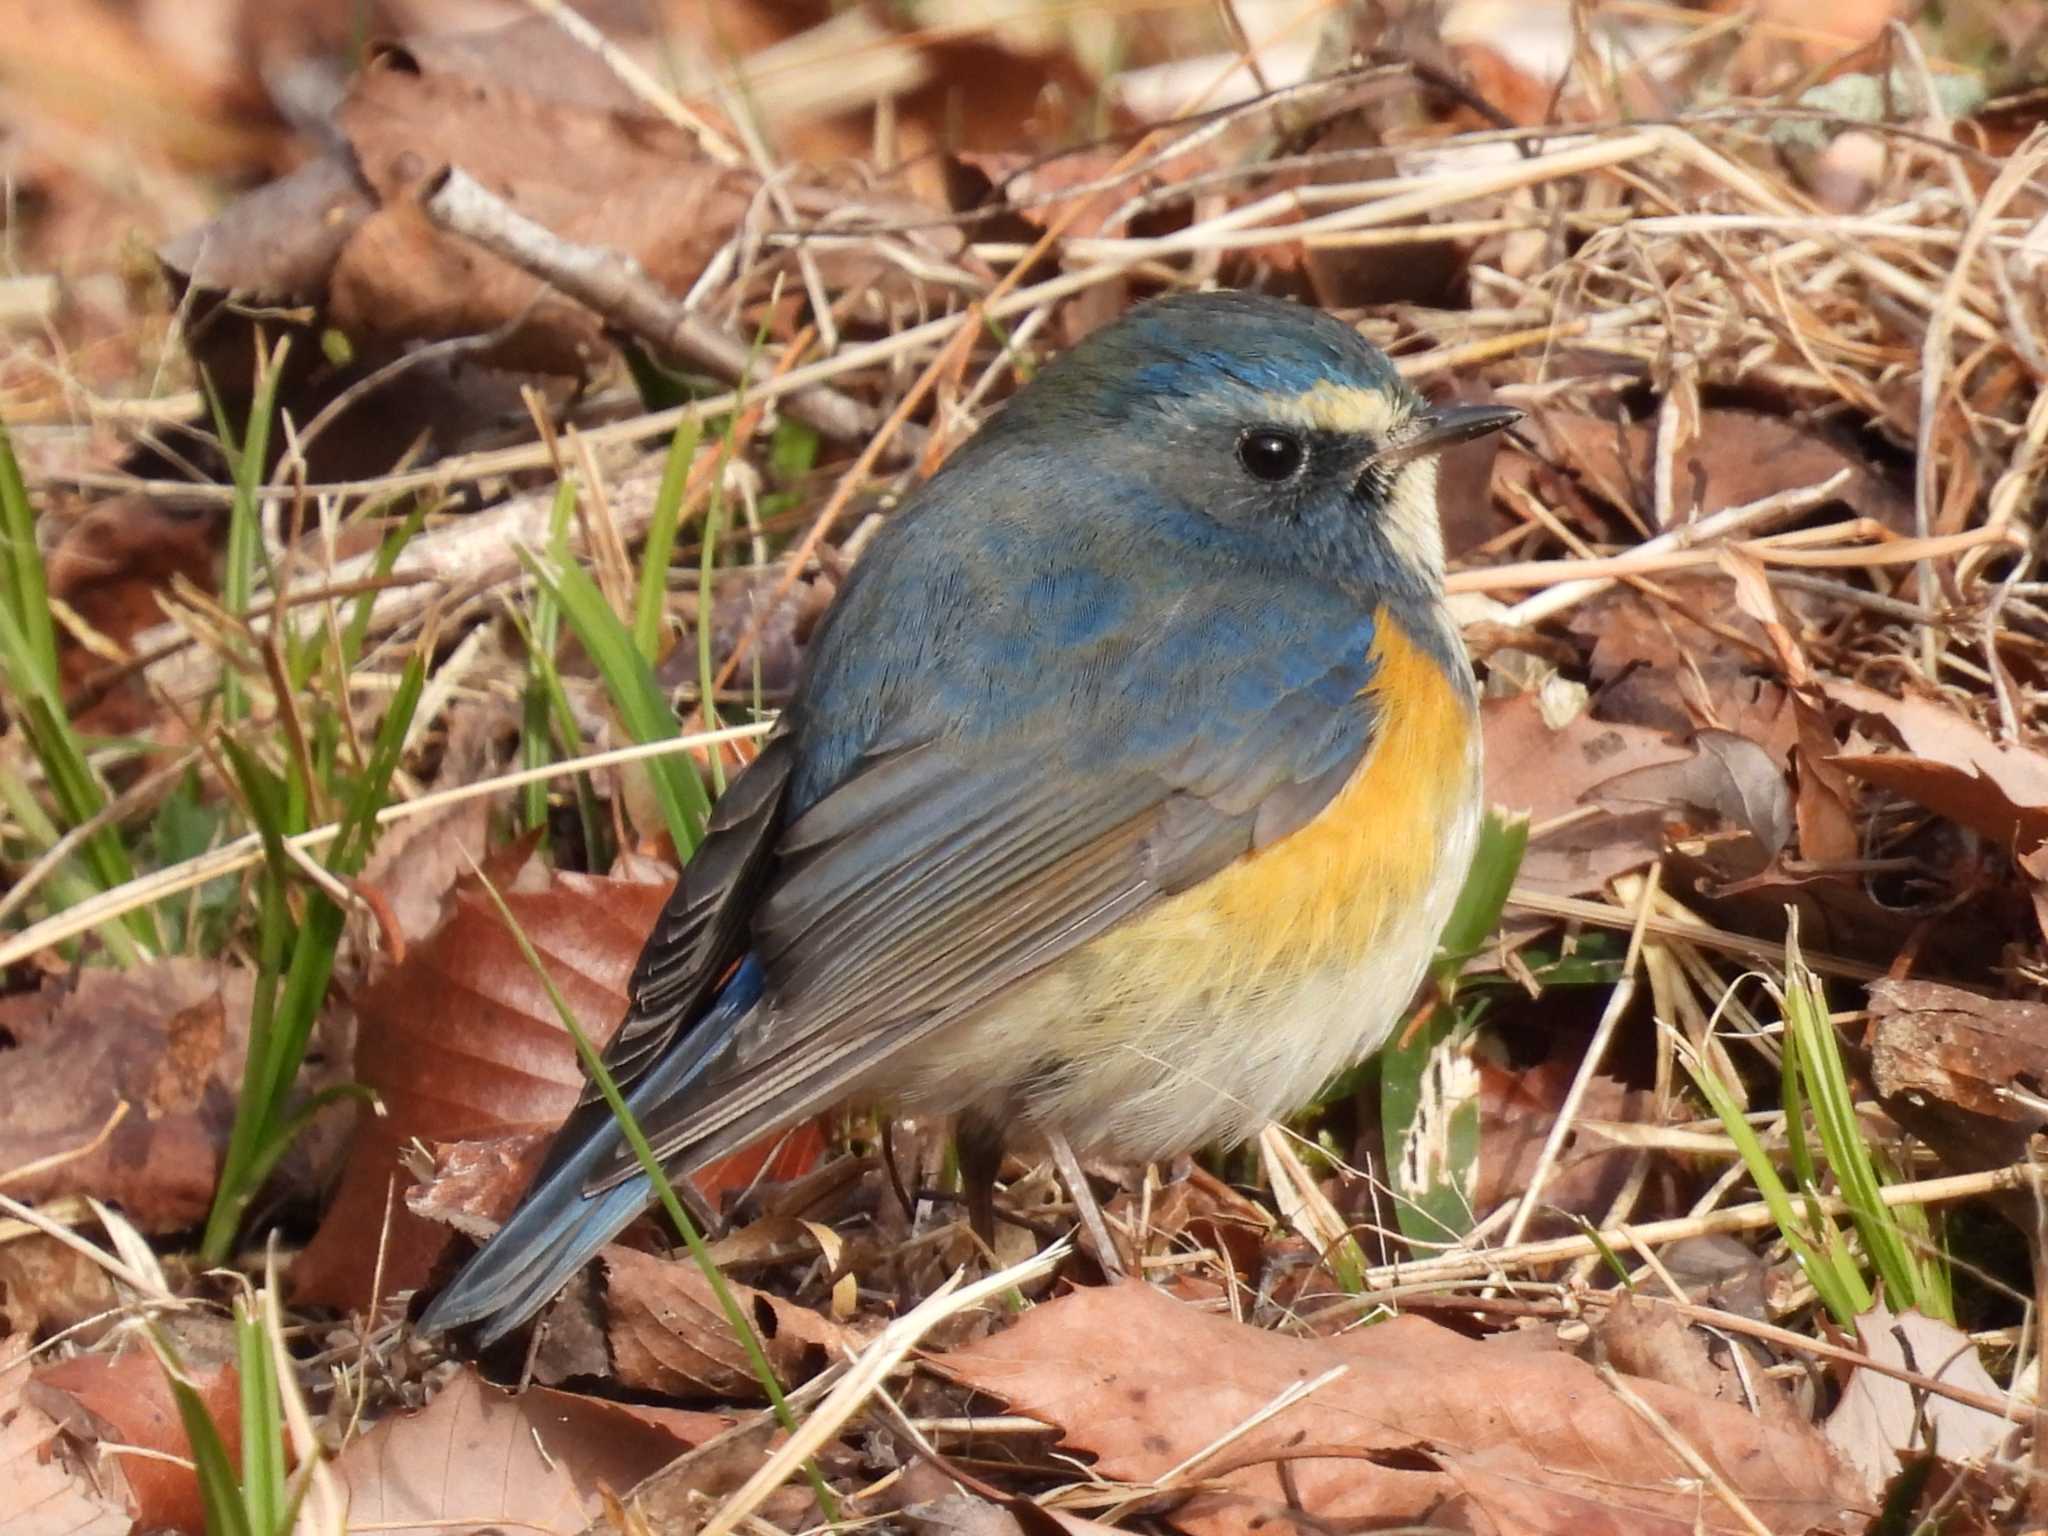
x=1952, y=766
x=1881, y=1418
x=1420, y=1420
x=1518, y=1108
x=1826, y=803
x=1986, y=1055
x=668, y=1333
x=1654, y=660
x=49, y=1492
x=1201, y=1211
x=165, y=1038
x=613, y=1443
x=2035, y=866
x=1638, y=1338
x=476, y=1457
x=121, y=1405
x=461, y=1042
x=1727, y=776
x=596, y=173
x=1733, y=458
x=1547, y=772
x=47, y=1286
x=634, y=185
x=418, y=861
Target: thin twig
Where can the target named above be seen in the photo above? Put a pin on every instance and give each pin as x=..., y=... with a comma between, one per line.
x=247, y=851
x=619, y=289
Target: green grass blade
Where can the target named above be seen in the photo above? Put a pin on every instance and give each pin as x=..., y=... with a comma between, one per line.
x=543, y=699
x=649, y=600
x=393, y=545
x=1840, y=1288
x=263, y=1458
x=248, y=456
x=74, y=786
x=290, y=992
x=1894, y=1257
x=601, y=1077
x=707, y=570
x=68, y=884
x=220, y=1493
x=628, y=679
x=1503, y=840
x=23, y=590
x=350, y=849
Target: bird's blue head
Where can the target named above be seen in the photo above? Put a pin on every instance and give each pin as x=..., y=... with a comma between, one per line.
x=1273, y=422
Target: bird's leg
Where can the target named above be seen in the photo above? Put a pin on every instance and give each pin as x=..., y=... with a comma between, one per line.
x=1093, y=1226
x=887, y=1127
x=978, y=1144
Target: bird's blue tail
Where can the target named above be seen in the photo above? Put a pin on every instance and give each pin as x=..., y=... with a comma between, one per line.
x=557, y=1227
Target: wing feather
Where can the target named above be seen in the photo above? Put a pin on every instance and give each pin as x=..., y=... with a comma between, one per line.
x=940, y=874
x=703, y=928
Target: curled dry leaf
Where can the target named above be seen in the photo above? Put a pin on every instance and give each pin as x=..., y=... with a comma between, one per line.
x=47, y=1286
x=121, y=1405
x=1734, y=458
x=668, y=1333
x=634, y=185
x=419, y=860
x=1952, y=766
x=1986, y=1055
x=1727, y=776
x=473, y=1185
x=1420, y=1420
x=1639, y=1338
x=1200, y=1212
x=49, y=1491
x=595, y=174
x=1826, y=803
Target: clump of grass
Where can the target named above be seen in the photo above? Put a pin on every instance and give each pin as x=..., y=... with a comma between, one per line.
x=78, y=795
x=1897, y=1242
x=259, y=1493
x=299, y=927
x=625, y=649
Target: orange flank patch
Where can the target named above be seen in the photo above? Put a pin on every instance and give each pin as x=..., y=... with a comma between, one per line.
x=1374, y=850
x=1230, y=1002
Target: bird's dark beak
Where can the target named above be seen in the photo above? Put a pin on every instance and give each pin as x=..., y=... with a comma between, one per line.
x=1432, y=431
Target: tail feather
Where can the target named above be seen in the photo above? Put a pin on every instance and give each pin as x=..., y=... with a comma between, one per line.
x=558, y=1227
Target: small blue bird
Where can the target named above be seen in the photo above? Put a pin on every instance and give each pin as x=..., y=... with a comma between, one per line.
x=1127, y=788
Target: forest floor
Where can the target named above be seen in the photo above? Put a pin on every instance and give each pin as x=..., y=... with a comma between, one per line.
x=433, y=431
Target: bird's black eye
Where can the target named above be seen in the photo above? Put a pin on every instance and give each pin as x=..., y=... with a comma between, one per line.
x=1267, y=453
